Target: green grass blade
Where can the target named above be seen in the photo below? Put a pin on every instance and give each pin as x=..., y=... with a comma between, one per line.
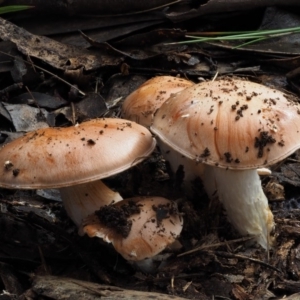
x=248, y=43
x=253, y=36
x=13, y=8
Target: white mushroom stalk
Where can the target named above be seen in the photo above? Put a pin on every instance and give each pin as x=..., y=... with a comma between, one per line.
x=226, y=130
x=245, y=203
x=84, y=199
x=240, y=192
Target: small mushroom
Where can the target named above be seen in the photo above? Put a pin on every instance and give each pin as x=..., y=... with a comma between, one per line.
x=74, y=159
x=141, y=104
x=227, y=129
x=139, y=228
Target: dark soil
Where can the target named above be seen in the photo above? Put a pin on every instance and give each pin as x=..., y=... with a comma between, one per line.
x=116, y=217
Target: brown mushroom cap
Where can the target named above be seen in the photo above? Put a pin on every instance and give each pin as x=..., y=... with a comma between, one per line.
x=149, y=226
x=141, y=104
x=230, y=123
x=60, y=157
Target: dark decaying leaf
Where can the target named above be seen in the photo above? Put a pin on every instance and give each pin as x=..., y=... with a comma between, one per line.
x=129, y=48
x=39, y=100
x=153, y=37
x=140, y=46
x=107, y=34
x=60, y=26
x=19, y=69
x=27, y=118
x=91, y=106
x=8, y=136
x=56, y=54
x=166, y=59
x=225, y=7
x=4, y=113
x=90, y=7
x=290, y=173
x=65, y=30
x=6, y=61
x=120, y=86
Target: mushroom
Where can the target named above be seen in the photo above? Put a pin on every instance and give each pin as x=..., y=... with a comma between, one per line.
x=141, y=104
x=74, y=159
x=139, y=228
x=227, y=129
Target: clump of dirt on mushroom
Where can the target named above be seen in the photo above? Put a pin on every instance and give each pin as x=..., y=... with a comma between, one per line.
x=117, y=217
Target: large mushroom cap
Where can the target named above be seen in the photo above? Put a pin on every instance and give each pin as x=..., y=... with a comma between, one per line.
x=231, y=123
x=141, y=104
x=60, y=157
x=139, y=228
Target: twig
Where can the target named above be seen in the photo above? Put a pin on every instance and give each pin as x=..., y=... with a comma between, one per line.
x=244, y=239
x=48, y=72
x=73, y=113
x=182, y=276
x=44, y=264
x=238, y=256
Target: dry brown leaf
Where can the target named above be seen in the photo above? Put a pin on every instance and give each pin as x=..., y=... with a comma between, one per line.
x=58, y=55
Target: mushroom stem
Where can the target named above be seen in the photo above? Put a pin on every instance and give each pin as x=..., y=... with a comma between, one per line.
x=83, y=200
x=244, y=200
x=239, y=191
x=191, y=168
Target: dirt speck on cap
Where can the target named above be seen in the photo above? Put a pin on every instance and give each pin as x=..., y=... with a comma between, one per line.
x=116, y=217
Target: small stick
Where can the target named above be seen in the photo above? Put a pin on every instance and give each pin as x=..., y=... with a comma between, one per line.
x=244, y=239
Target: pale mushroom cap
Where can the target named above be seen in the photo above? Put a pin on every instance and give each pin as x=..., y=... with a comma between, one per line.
x=60, y=157
x=141, y=104
x=156, y=226
x=230, y=123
